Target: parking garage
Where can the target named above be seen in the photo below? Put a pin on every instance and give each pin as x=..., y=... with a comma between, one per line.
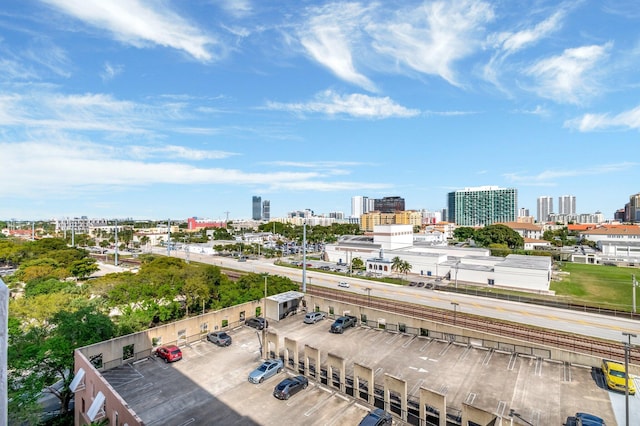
x=439, y=377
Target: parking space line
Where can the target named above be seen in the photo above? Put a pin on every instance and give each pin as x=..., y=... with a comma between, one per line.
x=445, y=349
x=512, y=361
x=408, y=342
x=566, y=369
x=415, y=388
x=465, y=354
x=502, y=405
x=392, y=339
x=317, y=406
x=425, y=346
x=538, y=370
x=188, y=422
x=487, y=358
x=470, y=398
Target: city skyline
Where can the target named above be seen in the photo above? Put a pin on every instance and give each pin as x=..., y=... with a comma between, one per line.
x=177, y=109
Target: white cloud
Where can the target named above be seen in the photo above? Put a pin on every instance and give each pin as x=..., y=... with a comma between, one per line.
x=431, y=38
x=176, y=152
x=329, y=37
x=236, y=8
x=110, y=71
x=590, y=122
x=139, y=24
x=39, y=167
x=509, y=42
x=356, y=105
x=571, y=77
x=548, y=177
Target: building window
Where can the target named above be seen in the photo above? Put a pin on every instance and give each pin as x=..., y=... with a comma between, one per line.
x=490, y=281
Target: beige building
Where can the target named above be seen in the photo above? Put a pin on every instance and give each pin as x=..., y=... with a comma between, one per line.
x=406, y=217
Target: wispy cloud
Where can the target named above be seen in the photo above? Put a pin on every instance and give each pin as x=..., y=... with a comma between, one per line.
x=507, y=43
x=432, y=37
x=236, y=8
x=549, y=177
x=95, y=112
x=571, y=77
x=591, y=122
x=138, y=24
x=110, y=71
x=174, y=152
x=329, y=37
x=355, y=105
x=76, y=166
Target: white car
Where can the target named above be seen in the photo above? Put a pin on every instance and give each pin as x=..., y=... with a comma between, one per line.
x=343, y=284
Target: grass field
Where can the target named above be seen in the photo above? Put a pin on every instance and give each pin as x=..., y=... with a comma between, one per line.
x=606, y=286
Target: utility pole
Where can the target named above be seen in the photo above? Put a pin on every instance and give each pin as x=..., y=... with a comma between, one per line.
x=116, y=239
x=168, y=237
x=634, y=284
x=227, y=215
x=627, y=348
x=304, y=256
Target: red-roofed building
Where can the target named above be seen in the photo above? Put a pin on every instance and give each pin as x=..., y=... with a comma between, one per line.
x=195, y=224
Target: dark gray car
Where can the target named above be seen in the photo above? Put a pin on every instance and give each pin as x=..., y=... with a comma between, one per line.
x=220, y=338
x=377, y=417
x=258, y=323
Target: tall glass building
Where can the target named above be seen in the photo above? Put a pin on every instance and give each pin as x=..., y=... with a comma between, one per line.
x=256, y=211
x=484, y=205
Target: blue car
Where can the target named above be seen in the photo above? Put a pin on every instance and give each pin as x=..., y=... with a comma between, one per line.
x=267, y=369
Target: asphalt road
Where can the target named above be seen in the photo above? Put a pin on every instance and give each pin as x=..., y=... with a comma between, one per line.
x=581, y=323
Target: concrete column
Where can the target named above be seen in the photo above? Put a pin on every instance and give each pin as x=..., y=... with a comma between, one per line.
x=309, y=354
x=366, y=373
x=436, y=400
x=334, y=362
x=398, y=386
x=291, y=351
x=479, y=416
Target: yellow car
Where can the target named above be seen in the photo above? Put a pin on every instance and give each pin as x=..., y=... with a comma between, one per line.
x=615, y=376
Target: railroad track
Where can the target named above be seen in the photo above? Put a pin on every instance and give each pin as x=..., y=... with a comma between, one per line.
x=560, y=340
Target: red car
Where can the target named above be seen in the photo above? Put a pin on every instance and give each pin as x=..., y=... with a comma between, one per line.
x=169, y=353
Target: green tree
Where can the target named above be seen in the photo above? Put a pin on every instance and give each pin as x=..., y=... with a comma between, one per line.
x=498, y=234
x=357, y=263
x=464, y=233
x=396, y=264
x=84, y=267
x=42, y=356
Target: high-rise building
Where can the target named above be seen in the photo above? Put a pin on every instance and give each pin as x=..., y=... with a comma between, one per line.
x=389, y=204
x=256, y=208
x=266, y=210
x=523, y=212
x=545, y=208
x=567, y=204
x=484, y=205
x=358, y=205
x=634, y=208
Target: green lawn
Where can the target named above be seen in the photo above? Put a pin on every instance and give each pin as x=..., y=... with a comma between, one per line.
x=606, y=286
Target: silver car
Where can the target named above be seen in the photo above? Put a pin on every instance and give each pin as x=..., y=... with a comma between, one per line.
x=269, y=368
x=313, y=317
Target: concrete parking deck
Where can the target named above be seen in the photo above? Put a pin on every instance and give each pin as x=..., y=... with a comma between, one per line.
x=209, y=386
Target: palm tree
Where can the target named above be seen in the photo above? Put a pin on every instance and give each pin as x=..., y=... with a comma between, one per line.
x=405, y=267
x=396, y=264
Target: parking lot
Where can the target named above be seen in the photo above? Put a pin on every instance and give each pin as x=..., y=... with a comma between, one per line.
x=209, y=386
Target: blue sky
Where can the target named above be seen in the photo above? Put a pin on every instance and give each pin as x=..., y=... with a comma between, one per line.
x=156, y=109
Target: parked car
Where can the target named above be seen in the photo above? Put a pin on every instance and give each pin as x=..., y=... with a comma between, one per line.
x=290, y=386
x=584, y=419
x=313, y=317
x=377, y=417
x=219, y=338
x=343, y=284
x=267, y=369
x=258, y=323
x=170, y=353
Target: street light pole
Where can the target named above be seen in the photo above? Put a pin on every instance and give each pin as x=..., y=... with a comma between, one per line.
x=264, y=315
x=627, y=348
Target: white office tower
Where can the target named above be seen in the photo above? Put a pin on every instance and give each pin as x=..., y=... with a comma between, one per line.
x=523, y=212
x=359, y=205
x=545, y=208
x=567, y=204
